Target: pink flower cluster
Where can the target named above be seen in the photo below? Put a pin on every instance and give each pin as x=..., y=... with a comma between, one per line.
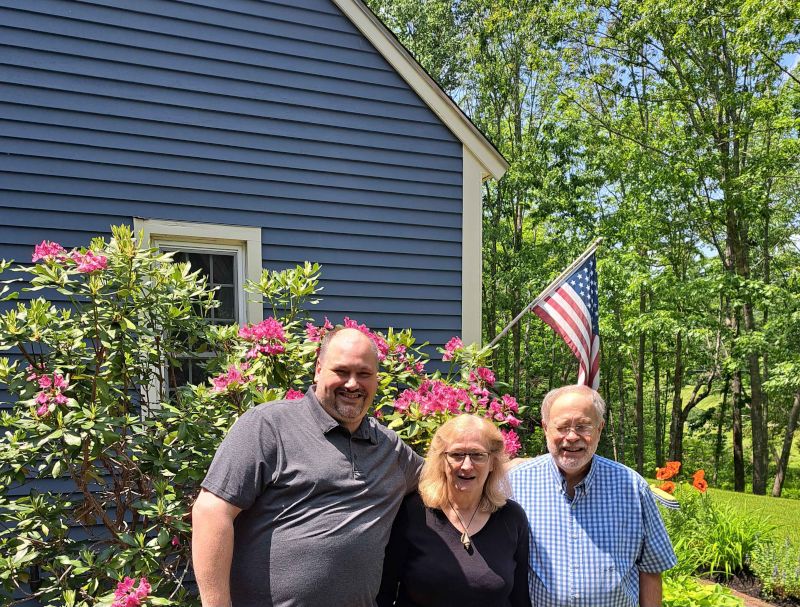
x=233, y=378
x=48, y=251
x=435, y=396
x=482, y=374
x=292, y=394
x=89, y=261
x=314, y=333
x=380, y=342
x=267, y=337
x=85, y=262
x=51, y=393
x=502, y=410
x=511, y=440
x=451, y=347
x=127, y=596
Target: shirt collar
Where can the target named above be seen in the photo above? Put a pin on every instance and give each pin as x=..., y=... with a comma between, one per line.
x=326, y=423
x=586, y=483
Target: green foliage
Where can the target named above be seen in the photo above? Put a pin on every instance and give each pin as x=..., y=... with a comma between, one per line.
x=682, y=590
x=85, y=375
x=709, y=538
x=93, y=411
x=777, y=566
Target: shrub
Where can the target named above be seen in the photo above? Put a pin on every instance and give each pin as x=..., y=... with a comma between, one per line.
x=93, y=412
x=686, y=591
x=709, y=538
x=777, y=566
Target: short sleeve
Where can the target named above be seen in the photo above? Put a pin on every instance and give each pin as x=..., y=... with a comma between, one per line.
x=657, y=554
x=245, y=462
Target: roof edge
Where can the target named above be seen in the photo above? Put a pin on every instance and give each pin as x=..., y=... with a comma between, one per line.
x=387, y=44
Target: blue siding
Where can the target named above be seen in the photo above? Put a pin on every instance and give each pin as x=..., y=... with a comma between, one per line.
x=276, y=114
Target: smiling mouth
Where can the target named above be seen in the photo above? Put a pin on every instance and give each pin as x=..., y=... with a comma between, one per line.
x=350, y=395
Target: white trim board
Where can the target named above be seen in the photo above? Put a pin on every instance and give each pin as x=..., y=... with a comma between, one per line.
x=489, y=159
x=246, y=238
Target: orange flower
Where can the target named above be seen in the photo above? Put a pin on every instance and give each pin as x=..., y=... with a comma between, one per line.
x=669, y=486
x=669, y=470
x=699, y=475
x=700, y=484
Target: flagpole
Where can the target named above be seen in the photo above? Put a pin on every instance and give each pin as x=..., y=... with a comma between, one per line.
x=546, y=291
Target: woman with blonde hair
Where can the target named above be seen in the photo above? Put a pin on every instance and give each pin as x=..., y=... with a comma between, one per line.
x=460, y=541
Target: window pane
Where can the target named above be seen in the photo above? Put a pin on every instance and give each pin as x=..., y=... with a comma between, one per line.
x=200, y=261
x=222, y=269
x=227, y=307
x=180, y=257
x=198, y=372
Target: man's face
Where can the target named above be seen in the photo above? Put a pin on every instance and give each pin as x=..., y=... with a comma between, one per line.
x=573, y=432
x=346, y=378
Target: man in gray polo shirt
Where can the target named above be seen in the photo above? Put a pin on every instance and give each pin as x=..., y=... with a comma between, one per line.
x=298, y=503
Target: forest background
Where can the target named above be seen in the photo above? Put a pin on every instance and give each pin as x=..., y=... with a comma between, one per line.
x=669, y=128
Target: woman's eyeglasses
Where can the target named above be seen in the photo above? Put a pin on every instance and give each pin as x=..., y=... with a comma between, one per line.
x=458, y=457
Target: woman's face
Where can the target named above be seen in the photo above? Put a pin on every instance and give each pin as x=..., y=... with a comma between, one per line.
x=467, y=476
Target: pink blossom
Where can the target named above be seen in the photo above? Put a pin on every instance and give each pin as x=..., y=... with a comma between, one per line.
x=511, y=403
x=48, y=251
x=89, y=261
x=175, y=541
x=512, y=421
x=434, y=396
x=486, y=375
x=292, y=394
x=51, y=393
x=232, y=378
x=511, y=440
x=127, y=596
x=451, y=347
x=314, y=333
x=380, y=342
x=267, y=337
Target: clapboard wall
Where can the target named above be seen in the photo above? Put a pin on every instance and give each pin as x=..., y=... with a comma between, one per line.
x=277, y=114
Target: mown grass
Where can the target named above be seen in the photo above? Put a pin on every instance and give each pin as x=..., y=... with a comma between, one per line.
x=783, y=513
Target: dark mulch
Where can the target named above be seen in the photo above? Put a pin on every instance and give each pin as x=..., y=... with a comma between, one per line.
x=750, y=585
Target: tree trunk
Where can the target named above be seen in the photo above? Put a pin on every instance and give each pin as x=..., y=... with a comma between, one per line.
x=621, y=417
x=659, y=421
x=676, y=420
x=639, y=407
x=720, y=423
x=788, y=439
x=738, y=451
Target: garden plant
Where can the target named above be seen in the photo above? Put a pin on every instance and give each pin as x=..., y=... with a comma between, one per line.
x=116, y=455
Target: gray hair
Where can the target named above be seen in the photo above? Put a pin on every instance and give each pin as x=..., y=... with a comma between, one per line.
x=551, y=397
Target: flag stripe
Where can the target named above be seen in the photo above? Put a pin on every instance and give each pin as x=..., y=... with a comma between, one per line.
x=571, y=310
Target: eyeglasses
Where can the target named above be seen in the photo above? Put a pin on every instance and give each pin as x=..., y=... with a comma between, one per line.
x=580, y=430
x=476, y=457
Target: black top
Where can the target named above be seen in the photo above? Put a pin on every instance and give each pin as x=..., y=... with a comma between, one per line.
x=433, y=569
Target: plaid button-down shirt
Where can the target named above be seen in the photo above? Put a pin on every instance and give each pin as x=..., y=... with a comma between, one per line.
x=588, y=551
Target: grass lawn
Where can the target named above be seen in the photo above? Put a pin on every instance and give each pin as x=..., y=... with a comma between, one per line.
x=783, y=513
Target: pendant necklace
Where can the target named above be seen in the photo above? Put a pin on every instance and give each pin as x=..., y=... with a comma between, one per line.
x=465, y=541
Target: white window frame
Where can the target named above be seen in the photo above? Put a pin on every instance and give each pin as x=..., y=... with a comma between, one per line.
x=244, y=242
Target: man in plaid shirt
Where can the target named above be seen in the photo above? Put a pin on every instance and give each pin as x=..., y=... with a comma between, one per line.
x=597, y=538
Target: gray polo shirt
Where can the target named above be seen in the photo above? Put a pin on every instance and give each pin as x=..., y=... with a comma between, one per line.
x=318, y=504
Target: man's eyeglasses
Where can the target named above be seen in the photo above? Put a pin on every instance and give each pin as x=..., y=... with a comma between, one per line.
x=476, y=457
x=580, y=429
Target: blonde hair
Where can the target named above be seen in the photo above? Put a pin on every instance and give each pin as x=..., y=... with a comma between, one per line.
x=433, y=480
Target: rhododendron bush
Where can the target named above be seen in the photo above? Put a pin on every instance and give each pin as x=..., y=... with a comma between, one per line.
x=117, y=454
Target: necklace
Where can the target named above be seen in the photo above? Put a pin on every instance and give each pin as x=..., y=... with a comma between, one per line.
x=465, y=541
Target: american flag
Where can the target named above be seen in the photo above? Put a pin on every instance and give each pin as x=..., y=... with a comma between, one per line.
x=571, y=311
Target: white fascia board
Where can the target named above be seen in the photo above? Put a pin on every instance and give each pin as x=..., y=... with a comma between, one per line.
x=471, y=250
x=491, y=162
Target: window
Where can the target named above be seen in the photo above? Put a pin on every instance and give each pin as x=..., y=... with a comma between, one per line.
x=227, y=256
